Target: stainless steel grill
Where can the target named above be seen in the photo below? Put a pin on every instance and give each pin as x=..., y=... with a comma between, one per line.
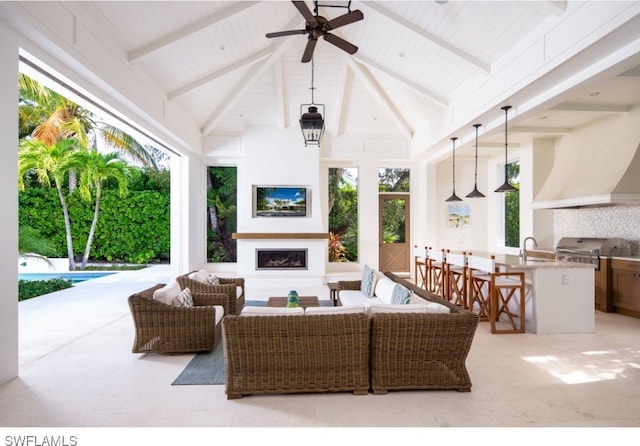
x=590, y=250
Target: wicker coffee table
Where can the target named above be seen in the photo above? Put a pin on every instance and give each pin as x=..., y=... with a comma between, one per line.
x=305, y=301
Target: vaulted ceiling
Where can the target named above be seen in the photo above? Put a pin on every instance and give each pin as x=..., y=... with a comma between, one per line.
x=416, y=60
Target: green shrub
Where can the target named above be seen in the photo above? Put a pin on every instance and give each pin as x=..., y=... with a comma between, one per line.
x=133, y=229
x=33, y=288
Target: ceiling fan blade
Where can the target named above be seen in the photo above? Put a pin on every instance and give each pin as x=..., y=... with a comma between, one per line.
x=345, y=19
x=287, y=33
x=341, y=43
x=308, y=51
x=306, y=13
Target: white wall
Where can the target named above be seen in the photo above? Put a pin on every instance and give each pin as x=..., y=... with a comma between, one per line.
x=472, y=237
x=9, y=205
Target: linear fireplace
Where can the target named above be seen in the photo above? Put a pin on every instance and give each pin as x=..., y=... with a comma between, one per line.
x=273, y=259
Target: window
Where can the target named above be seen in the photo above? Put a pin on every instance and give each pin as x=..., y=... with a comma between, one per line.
x=393, y=180
x=512, y=207
x=394, y=212
x=343, y=214
x=222, y=220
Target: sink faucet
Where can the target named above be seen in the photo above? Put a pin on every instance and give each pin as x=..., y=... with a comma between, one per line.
x=523, y=251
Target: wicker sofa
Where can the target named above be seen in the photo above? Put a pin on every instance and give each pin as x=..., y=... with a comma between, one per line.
x=163, y=328
x=349, y=352
x=421, y=350
x=231, y=287
x=296, y=354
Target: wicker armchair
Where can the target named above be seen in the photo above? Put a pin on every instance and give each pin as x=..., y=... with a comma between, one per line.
x=233, y=303
x=163, y=328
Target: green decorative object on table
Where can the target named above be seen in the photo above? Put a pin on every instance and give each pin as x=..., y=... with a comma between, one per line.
x=292, y=299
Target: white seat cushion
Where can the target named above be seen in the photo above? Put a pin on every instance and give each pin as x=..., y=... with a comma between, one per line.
x=345, y=309
x=400, y=308
x=219, y=313
x=271, y=311
x=355, y=297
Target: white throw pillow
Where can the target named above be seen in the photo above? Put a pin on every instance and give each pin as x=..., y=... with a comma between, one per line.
x=384, y=290
x=200, y=276
x=183, y=299
x=213, y=280
x=167, y=293
x=400, y=308
x=347, y=309
x=271, y=311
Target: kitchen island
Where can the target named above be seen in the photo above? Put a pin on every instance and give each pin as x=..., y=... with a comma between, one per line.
x=560, y=295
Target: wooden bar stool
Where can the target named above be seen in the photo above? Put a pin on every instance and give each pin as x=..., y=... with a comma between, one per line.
x=436, y=272
x=420, y=264
x=457, y=278
x=496, y=296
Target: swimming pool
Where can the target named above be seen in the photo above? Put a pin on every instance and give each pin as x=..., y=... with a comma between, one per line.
x=75, y=277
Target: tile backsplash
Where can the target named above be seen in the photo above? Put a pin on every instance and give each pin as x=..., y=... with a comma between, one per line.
x=603, y=222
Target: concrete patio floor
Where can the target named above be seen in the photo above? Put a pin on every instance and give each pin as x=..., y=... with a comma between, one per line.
x=77, y=370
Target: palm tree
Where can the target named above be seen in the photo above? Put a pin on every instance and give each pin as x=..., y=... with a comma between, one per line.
x=48, y=116
x=49, y=162
x=95, y=168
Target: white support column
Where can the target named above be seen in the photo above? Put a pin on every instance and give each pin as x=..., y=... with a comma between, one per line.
x=9, y=205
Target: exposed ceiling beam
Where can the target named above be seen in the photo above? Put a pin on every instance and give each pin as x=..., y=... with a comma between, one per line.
x=249, y=60
x=280, y=96
x=369, y=81
x=557, y=7
x=339, y=118
x=245, y=83
x=188, y=30
x=435, y=97
x=574, y=106
x=540, y=129
x=466, y=57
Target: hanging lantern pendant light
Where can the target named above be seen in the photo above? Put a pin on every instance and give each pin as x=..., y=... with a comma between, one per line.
x=311, y=121
x=506, y=186
x=475, y=193
x=453, y=196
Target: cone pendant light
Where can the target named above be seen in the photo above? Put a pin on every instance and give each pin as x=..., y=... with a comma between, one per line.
x=506, y=186
x=475, y=193
x=453, y=196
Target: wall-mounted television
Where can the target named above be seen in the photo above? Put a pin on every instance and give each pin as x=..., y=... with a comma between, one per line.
x=280, y=201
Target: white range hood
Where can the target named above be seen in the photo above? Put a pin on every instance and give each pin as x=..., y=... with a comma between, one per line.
x=595, y=166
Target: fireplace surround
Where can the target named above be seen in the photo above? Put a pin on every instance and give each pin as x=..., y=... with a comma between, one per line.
x=281, y=259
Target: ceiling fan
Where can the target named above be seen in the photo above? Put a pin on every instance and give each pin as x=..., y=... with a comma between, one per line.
x=318, y=26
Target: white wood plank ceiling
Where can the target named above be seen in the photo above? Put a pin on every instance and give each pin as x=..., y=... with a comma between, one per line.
x=415, y=59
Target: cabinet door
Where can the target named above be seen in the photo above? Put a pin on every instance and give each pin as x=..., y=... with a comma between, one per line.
x=625, y=287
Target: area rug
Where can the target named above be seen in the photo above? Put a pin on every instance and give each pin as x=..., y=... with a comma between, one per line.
x=208, y=368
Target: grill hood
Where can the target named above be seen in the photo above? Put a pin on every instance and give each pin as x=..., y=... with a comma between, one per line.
x=595, y=166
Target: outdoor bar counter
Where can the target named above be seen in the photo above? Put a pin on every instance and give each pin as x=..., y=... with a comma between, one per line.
x=560, y=295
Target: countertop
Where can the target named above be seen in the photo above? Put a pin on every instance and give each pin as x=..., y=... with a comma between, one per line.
x=633, y=258
x=513, y=261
